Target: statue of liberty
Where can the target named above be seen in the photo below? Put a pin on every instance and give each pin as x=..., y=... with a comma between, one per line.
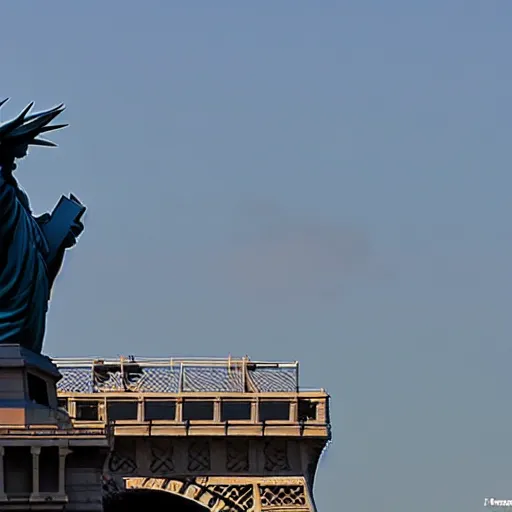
x=31, y=248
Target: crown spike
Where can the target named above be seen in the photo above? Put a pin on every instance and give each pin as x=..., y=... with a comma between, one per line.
x=53, y=127
x=43, y=142
x=58, y=109
x=24, y=129
x=35, y=125
x=15, y=123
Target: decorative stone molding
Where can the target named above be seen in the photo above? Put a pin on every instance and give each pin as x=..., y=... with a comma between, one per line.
x=276, y=455
x=161, y=456
x=199, y=458
x=122, y=460
x=237, y=455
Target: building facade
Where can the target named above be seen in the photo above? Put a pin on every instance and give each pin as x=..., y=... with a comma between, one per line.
x=221, y=435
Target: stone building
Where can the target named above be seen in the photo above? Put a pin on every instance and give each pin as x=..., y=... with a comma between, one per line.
x=221, y=435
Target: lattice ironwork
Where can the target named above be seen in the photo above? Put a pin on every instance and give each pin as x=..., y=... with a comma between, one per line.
x=76, y=380
x=237, y=497
x=161, y=456
x=237, y=455
x=227, y=375
x=217, y=498
x=282, y=496
x=199, y=455
x=157, y=380
x=276, y=455
x=274, y=379
x=204, y=378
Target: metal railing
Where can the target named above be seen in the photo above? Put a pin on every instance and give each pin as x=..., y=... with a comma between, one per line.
x=246, y=367
x=86, y=362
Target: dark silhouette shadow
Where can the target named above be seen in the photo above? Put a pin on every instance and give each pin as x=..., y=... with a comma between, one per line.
x=151, y=501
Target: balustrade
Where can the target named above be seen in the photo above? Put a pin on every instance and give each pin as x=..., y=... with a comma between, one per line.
x=141, y=408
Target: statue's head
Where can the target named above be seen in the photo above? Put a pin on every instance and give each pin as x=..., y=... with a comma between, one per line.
x=23, y=131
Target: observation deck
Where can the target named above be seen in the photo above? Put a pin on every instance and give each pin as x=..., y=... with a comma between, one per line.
x=187, y=397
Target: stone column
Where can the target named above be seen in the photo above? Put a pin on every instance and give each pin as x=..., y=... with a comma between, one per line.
x=141, y=407
x=294, y=410
x=255, y=411
x=217, y=410
x=179, y=409
x=64, y=451
x=35, y=451
x=2, y=480
x=72, y=408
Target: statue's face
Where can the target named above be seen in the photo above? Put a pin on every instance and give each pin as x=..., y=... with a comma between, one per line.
x=20, y=151
x=9, y=154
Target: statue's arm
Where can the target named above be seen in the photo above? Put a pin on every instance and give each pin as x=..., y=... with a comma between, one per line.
x=54, y=266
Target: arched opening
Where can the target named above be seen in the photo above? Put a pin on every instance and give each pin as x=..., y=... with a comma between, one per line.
x=151, y=501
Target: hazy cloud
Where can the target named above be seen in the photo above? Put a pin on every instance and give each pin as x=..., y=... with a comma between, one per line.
x=275, y=253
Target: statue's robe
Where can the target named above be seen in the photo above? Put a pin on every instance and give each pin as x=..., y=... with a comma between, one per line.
x=24, y=280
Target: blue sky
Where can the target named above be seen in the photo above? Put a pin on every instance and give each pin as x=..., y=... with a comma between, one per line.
x=321, y=181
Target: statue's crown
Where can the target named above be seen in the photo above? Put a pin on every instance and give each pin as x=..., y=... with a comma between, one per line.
x=24, y=129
